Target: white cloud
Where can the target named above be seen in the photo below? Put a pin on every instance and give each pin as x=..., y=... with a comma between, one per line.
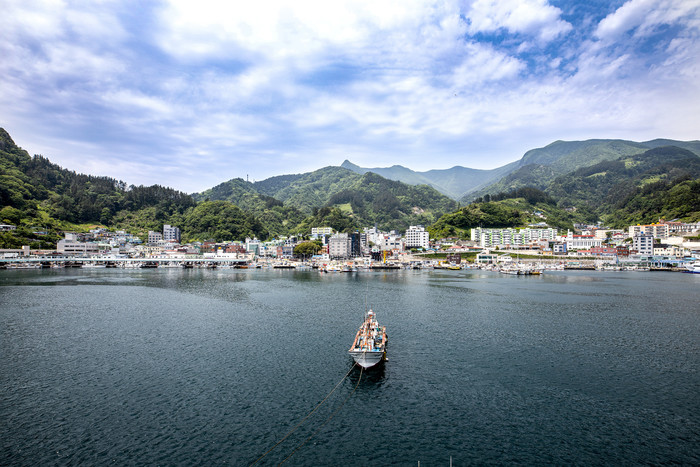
x=644, y=16
x=532, y=17
x=279, y=29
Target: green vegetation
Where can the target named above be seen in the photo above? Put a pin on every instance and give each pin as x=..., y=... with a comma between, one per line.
x=627, y=185
x=307, y=248
x=661, y=182
x=486, y=214
x=363, y=199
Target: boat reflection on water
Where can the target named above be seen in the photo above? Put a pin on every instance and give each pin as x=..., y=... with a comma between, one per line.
x=373, y=377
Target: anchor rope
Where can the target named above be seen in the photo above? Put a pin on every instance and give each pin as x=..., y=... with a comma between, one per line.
x=307, y=416
x=327, y=420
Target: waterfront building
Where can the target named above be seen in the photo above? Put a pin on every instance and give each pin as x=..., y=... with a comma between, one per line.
x=581, y=242
x=486, y=258
x=73, y=247
x=391, y=242
x=154, y=237
x=339, y=246
x=344, y=246
x=622, y=251
x=489, y=238
x=417, y=237
x=643, y=244
x=252, y=246
x=559, y=248
x=662, y=249
x=602, y=251
x=171, y=234
x=656, y=230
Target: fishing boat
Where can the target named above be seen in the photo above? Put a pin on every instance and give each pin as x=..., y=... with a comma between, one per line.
x=369, y=347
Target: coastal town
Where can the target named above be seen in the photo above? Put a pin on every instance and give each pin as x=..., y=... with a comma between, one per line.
x=671, y=246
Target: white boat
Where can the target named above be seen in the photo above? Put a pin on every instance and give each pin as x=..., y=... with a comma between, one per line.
x=694, y=268
x=369, y=347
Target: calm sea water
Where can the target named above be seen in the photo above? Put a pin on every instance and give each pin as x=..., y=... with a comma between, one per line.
x=190, y=367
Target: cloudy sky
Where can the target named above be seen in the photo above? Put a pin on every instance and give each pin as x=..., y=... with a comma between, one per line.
x=189, y=94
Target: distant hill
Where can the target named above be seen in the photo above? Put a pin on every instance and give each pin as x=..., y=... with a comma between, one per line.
x=539, y=167
x=43, y=199
x=638, y=188
x=455, y=182
x=367, y=198
x=536, y=168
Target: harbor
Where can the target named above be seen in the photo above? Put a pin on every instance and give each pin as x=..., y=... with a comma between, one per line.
x=212, y=366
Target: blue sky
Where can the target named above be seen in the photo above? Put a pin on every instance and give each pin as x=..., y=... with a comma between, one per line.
x=190, y=94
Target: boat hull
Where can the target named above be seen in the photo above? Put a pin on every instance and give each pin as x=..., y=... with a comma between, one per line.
x=367, y=359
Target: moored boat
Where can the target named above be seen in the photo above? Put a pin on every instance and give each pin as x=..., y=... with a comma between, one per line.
x=369, y=347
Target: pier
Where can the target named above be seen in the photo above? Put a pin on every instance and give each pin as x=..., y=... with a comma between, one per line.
x=29, y=262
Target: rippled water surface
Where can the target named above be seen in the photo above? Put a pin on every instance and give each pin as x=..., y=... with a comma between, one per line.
x=190, y=367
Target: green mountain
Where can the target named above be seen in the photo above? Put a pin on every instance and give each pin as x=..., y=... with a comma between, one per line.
x=366, y=199
x=663, y=182
x=625, y=183
x=43, y=199
x=539, y=167
x=637, y=188
x=455, y=182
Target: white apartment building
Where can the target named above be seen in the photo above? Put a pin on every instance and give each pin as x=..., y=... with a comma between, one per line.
x=417, y=237
x=171, y=234
x=373, y=235
x=339, y=246
x=488, y=238
x=657, y=230
x=581, y=242
x=669, y=250
x=643, y=243
x=72, y=247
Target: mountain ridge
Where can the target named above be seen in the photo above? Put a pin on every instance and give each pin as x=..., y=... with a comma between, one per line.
x=559, y=157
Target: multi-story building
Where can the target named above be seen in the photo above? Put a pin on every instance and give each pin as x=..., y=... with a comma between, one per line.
x=679, y=228
x=171, y=234
x=339, y=246
x=390, y=242
x=373, y=236
x=488, y=238
x=656, y=230
x=344, y=245
x=643, y=244
x=581, y=242
x=668, y=250
x=417, y=237
x=622, y=251
x=70, y=245
x=252, y=246
x=154, y=237
x=559, y=248
x=320, y=231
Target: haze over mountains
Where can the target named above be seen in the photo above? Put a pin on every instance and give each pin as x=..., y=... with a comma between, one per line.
x=557, y=158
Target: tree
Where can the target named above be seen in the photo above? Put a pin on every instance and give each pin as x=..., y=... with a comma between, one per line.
x=307, y=248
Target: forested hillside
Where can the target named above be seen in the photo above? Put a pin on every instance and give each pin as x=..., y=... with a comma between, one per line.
x=364, y=199
x=660, y=183
x=42, y=199
x=608, y=187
